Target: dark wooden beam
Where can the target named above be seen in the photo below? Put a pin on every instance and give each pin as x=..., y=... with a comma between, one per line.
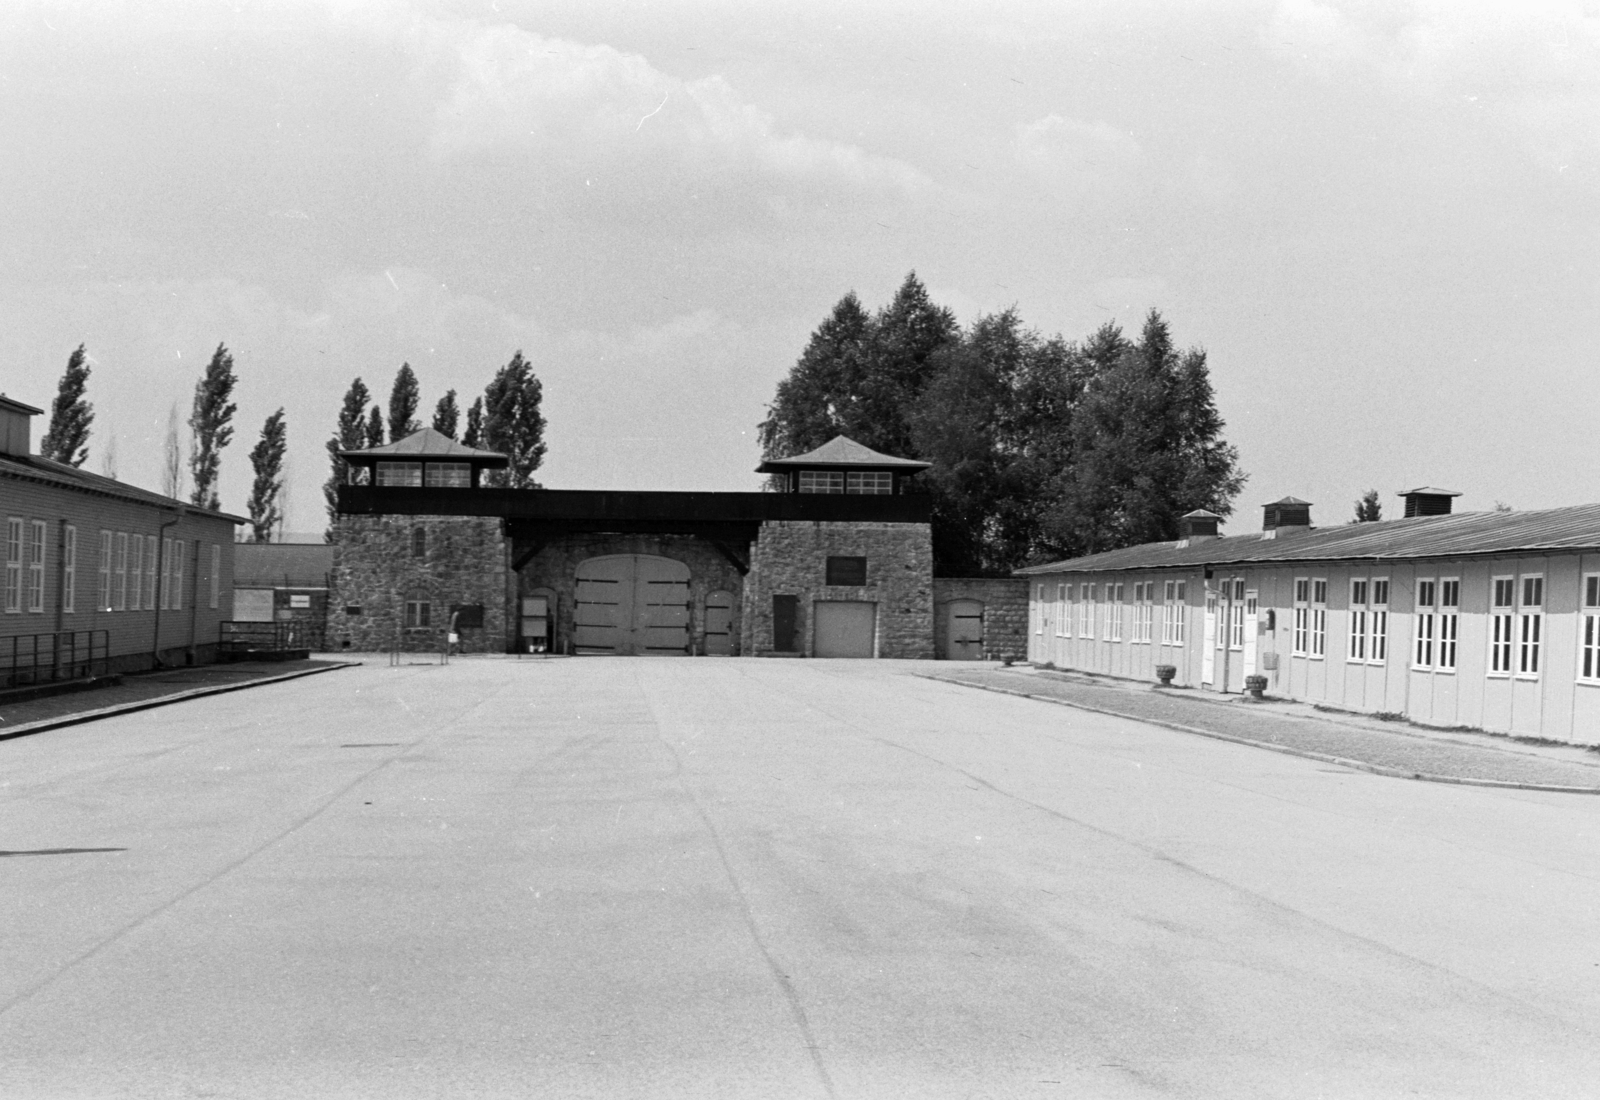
x=742, y=564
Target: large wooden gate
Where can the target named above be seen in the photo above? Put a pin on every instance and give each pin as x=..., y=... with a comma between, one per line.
x=632, y=604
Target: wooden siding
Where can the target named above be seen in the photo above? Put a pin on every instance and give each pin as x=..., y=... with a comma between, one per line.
x=1553, y=704
x=130, y=633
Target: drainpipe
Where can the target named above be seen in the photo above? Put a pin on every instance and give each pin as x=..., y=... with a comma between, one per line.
x=161, y=594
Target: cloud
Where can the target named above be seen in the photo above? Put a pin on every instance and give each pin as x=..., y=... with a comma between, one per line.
x=1532, y=68
x=1057, y=142
x=511, y=91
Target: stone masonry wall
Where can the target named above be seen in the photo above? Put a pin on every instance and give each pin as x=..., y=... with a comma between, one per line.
x=555, y=568
x=375, y=572
x=790, y=558
x=1005, y=613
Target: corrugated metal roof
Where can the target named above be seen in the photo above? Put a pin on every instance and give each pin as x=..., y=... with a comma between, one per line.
x=286, y=564
x=1465, y=534
x=50, y=472
x=428, y=443
x=841, y=451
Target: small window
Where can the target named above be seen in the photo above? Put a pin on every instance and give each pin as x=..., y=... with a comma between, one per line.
x=870, y=482
x=216, y=572
x=404, y=474
x=419, y=614
x=1532, y=591
x=448, y=475
x=821, y=481
x=69, y=569
x=14, y=563
x=419, y=542
x=36, y=543
x=853, y=571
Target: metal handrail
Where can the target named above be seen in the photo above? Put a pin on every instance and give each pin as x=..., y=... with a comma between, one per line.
x=45, y=658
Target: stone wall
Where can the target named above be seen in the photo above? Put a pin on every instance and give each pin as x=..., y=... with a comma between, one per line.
x=790, y=558
x=375, y=572
x=555, y=568
x=1005, y=613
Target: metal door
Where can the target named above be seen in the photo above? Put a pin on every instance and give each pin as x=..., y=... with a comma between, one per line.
x=632, y=604
x=844, y=628
x=964, y=630
x=719, y=624
x=1208, y=644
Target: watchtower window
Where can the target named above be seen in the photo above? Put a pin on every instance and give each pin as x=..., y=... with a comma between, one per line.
x=400, y=473
x=419, y=542
x=822, y=481
x=448, y=475
x=872, y=482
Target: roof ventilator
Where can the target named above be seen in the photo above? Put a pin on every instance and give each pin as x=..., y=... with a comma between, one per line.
x=1197, y=526
x=1288, y=516
x=1427, y=501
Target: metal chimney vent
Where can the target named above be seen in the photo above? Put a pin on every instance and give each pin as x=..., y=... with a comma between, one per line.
x=1427, y=501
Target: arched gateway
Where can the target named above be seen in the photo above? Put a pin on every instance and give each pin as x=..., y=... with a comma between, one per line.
x=630, y=604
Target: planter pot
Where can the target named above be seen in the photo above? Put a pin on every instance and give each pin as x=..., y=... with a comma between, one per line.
x=1255, y=685
x=1165, y=673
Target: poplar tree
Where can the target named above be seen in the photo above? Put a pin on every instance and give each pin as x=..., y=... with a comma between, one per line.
x=349, y=434
x=403, y=399
x=446, y=414
x=210, y=427
x=67, y=439
x=473, y=436
x=375, y=428
x=1368, y=508
x=266, y=458
x=172, y=456
x=512, y=423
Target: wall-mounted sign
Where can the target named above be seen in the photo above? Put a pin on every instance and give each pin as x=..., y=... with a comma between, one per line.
x=299, y=601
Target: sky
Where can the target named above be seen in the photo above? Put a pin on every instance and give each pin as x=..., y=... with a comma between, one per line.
x=1380, y=220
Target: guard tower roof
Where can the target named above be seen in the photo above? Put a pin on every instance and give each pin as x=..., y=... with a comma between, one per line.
x=842, y=453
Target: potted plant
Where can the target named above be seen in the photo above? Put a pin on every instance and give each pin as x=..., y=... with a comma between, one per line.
x=1165, y=673
x=1255, y=685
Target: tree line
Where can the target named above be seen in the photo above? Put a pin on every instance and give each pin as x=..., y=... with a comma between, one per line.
x=1041, y=448
x=505, y=418
x=210, y=430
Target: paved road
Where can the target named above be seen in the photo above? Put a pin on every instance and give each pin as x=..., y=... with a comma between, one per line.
x=616, y=878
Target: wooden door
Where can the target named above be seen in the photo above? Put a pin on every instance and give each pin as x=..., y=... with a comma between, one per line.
x=632, y=604
x=963, y=630
x=1208, y=643
x=719, y=624
x=844, y=628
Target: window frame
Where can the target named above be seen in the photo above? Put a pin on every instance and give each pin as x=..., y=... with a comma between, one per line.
x=418, y=615
x=69, y=569
x=1530, y=626
x=1424, y=615
x=38, y=548
x=877, y=483
x=1300, y=635
x=136, y=572
x=1378, y=621
x=1502, y=622
x=216, y=573
x=434, y=475
x=119, y=577
x=14, y=561
x=397, y=475
x=107, y=553
x=832, y=482
x=178, y=547
x=152, y=553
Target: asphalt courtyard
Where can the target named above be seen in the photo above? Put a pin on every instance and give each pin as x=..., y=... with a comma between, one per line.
x=747, y=878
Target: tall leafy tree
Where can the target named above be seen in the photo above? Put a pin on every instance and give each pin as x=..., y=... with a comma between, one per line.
x=907, y=334
x=266, y=459
x=447, y=414
x=403, y=399
x=1368, y=509
x=67, y=439
x=473, y=436
x=349, y=434
x=1148, y=447
x=820, y=397
x=375, y=428
x=512, y=423
x=210, y=427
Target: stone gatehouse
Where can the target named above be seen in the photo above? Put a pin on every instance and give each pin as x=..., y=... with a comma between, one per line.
x=835, y=561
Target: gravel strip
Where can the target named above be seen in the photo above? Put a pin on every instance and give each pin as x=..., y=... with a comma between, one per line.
x=1409, y=755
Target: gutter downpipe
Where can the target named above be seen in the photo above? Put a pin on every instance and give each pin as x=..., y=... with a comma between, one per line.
x=162, y=595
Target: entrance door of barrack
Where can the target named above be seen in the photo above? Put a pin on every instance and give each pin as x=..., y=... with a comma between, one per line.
x=632, y=604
